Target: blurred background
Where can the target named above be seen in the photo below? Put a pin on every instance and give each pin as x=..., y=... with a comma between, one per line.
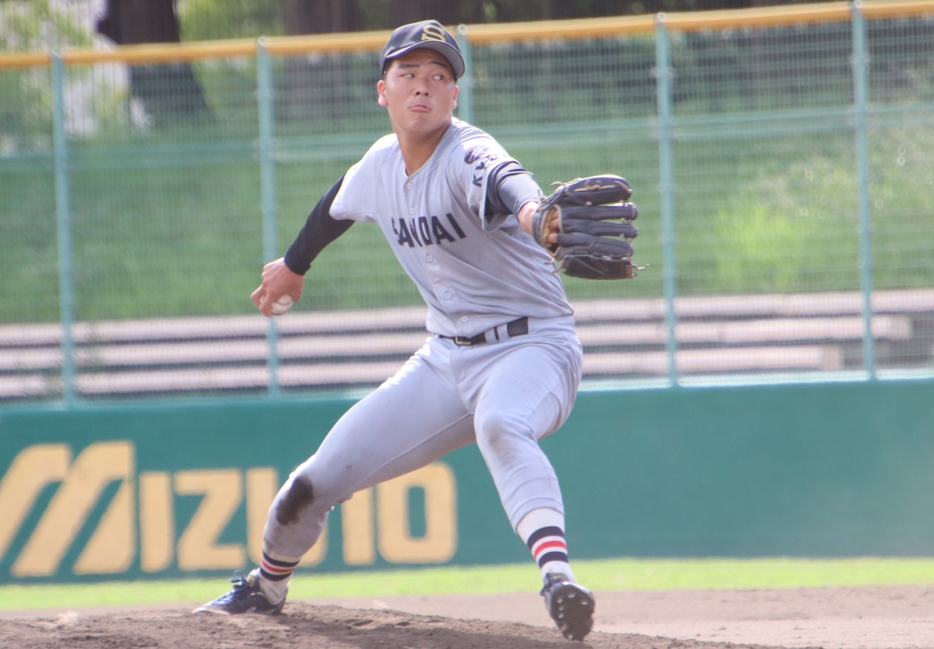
x=782, y=159
x=34, y=24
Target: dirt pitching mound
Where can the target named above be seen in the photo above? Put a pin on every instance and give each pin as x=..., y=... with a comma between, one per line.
x=869, y=617
x=304, y=626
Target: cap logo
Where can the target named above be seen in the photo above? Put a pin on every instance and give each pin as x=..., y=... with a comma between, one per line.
x=433, y=33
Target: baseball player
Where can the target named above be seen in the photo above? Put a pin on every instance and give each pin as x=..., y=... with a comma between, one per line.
x=502, y=364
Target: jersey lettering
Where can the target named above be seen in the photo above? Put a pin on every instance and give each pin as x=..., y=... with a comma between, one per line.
x=475, y=154
x=483, y=159
x=438, y=230
x=424, y=231
x=457, y=228
x=403, y=233
x=414, y=230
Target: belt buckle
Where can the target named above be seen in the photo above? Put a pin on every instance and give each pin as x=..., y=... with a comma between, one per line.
x=462, y=341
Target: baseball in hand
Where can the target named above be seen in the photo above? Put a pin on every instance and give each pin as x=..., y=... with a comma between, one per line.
x=280, y=306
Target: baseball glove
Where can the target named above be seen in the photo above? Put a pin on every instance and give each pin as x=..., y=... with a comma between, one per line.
x=594, y=227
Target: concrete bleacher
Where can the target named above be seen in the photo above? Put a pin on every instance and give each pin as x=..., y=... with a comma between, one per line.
x=622, y=338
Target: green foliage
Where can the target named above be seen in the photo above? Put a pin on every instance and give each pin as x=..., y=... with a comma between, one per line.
x=742, y=70
x=902, y=204
x=225, y=83
x=760, y=249
x=41, y=24
x=521, y=83
x=168, y=224
x=28, y=245
x=150, y=241
x=25, y=95
x=209, y=19
x=25, y=110
x=790, y=231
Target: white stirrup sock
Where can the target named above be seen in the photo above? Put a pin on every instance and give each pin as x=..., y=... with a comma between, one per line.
x=274, y=575
x=543, y=531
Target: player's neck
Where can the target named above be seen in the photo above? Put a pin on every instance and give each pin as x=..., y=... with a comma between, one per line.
x=417, y=149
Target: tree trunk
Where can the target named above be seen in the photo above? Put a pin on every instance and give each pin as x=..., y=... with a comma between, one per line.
x=320, y=16
x=549, y=11
x=313, y=89
x=169, y=93
x=403, y=12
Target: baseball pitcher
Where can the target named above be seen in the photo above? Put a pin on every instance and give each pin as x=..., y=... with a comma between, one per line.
x=502, y=365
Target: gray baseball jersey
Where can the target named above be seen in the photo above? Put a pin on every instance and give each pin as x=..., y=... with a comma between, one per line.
x=474, y=272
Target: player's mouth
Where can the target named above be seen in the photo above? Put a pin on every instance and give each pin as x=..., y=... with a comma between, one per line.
x=420, y=108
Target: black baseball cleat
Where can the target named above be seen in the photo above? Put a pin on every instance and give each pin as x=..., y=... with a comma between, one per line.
x=571, y=606
x=246, y=597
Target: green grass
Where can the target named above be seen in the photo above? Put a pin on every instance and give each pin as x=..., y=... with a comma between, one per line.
x=610, y=574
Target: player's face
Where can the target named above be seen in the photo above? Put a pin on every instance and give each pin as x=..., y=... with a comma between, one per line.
x=419, y=92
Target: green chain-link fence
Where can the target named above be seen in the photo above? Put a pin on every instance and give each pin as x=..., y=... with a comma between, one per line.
x=783, y=162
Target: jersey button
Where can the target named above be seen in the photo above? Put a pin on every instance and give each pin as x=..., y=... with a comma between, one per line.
x=408, y=186
x=429, y=258
x=447, y=296
x=464, y=319
x=411, y=210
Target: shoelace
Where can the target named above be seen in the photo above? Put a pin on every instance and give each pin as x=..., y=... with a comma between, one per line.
x=239, y=580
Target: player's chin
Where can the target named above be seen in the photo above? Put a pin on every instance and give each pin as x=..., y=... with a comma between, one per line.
x=427, y=120
x=424, y=124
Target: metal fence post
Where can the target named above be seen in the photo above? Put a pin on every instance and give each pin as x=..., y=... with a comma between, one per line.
x=861, y=106
x=664, y=75
x=66, y=294
x=465, y=94
x=267, y=170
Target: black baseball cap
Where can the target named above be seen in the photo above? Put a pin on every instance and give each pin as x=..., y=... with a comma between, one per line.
x=429, y=34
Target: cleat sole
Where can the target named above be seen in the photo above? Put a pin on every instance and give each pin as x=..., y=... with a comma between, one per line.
x=572, y=612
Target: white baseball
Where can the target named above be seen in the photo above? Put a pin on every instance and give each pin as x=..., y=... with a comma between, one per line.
x=281, y=305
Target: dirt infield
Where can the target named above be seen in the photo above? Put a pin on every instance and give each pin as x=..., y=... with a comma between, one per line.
x=849, y=618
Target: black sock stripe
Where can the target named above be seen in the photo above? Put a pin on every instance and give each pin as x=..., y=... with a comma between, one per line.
x=537, y=535
x=552, y=556
x=266, y=575
x=277, y=563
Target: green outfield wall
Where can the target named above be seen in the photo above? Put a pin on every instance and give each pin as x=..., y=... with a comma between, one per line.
x=182, y=488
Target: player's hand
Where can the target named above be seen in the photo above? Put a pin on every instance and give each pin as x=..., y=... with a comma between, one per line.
x=278, y=281
x=526, y=212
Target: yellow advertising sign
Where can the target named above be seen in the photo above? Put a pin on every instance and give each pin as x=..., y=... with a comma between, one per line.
x=375, y=522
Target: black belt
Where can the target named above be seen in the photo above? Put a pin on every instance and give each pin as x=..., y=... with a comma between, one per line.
x=518, y=327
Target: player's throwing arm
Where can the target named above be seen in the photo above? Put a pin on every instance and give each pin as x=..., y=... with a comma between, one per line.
x=586, y=225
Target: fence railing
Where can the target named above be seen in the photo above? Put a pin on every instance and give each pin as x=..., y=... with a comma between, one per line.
x=777, y=152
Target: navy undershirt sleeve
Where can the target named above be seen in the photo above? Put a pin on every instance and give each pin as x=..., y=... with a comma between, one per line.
x=509, y=187
x=320, y=229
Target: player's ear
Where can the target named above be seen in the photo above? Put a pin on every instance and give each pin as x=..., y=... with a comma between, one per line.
x=456, y=90
x=381, y=91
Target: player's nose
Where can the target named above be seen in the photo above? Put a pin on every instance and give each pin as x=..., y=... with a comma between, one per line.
x=421, y=85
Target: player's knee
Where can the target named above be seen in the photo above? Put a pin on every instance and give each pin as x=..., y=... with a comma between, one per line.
x=499, y=431
x=298, y=496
